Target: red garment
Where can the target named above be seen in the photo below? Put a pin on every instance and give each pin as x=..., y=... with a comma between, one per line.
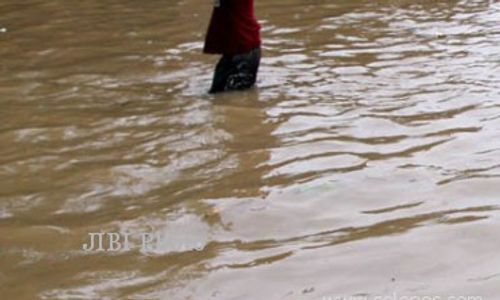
x=233, y=28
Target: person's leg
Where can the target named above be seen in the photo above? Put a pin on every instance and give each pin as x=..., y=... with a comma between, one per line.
x=222, y=71
x=244, y=71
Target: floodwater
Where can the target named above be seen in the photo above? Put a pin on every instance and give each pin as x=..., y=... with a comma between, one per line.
x=366, y=163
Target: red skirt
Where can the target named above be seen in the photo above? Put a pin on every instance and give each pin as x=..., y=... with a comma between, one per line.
x=233, y=28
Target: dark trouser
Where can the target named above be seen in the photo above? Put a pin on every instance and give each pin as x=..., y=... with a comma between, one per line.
x=236, y=72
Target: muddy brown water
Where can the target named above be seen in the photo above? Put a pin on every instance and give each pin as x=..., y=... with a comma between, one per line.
x=366, y=163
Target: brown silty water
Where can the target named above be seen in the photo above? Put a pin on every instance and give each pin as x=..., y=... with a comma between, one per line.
x=364, y=164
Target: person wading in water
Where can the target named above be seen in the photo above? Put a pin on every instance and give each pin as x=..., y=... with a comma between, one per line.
x=235, y=33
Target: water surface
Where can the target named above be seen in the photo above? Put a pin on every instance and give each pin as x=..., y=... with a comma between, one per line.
x=364, y=163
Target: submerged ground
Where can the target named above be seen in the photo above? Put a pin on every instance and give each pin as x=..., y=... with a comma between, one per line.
x=365, y=163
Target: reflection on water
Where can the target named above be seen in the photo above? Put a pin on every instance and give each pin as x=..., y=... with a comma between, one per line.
x=365, y=163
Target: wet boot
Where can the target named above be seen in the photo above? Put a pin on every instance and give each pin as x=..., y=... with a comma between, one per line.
x=238, y=72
